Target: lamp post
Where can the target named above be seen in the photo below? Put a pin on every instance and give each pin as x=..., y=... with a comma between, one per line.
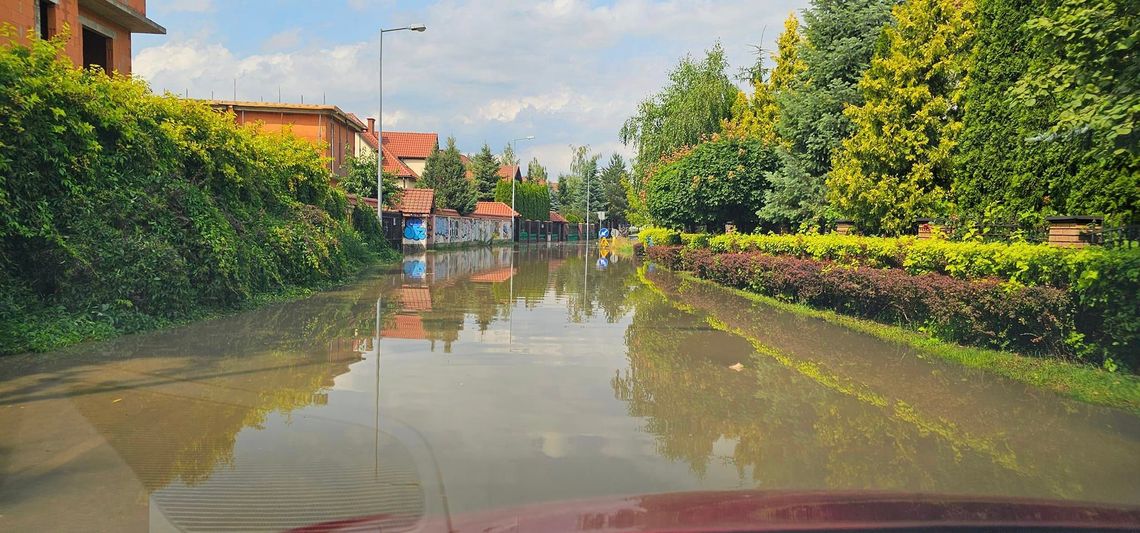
x=380, y=126
x=512, y=143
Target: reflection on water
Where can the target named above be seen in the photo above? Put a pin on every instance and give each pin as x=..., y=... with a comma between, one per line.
x=488, y=377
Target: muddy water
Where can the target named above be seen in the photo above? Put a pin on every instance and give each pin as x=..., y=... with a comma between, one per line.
x=502, y=378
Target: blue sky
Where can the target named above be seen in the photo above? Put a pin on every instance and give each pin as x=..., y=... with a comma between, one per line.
x=566, y=71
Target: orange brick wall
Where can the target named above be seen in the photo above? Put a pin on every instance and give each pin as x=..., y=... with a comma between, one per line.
x=22, y=15
x=334, y=137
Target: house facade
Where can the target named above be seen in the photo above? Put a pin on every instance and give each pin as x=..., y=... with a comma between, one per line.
x=326, y=126
x=100, y=30
x=405, y=153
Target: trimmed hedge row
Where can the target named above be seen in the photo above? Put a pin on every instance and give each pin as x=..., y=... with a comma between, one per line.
x=1036, y=320
x=1104, y=284
x=1029, y=264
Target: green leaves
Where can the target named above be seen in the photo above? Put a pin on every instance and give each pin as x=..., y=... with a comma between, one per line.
x=122, y=210
x=895, y=167
x=446, y=174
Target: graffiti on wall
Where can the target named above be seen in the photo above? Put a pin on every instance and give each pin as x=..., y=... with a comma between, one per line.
x=415, y=230
x=453, y=230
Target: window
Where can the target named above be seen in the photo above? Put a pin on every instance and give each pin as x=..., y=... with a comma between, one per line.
x=45, y=18
x=96, y=49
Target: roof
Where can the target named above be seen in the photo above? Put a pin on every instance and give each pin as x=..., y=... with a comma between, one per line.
x=281, y=107
x=493, y=209
x=122, y=15
x=406, y=327
x=395, y=165
x=417, y=201
x=497, y=275
x=369, y=138
x=555, y=217
x=509, y=172
x=445, y=212
x=415, y=298
x=406, y=144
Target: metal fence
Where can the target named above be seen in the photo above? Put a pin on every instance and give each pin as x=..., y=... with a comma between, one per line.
x=1113, y=237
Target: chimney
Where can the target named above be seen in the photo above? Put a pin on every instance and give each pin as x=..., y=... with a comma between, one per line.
x=371, y=125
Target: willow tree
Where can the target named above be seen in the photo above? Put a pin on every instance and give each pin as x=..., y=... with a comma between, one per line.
x=699, y=96
x=895, y=167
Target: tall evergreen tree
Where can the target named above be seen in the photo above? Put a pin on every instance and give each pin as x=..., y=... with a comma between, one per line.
x=485, y=171
x=756, y=117
x=508, y=157
x=1017, y=159
x=895, y=167
x=535, y=171
x=837, y=44
x=445, y=173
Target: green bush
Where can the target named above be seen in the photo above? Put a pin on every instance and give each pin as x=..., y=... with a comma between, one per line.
x=121, y=210
x=654, y=236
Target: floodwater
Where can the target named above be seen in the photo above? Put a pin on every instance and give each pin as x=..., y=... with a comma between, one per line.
x=511, y=377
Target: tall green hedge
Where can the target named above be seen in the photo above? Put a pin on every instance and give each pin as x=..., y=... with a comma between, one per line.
x=122, y=210
x=532, y=200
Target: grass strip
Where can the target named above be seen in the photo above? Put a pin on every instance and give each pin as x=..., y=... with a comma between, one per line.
x=1081, y=382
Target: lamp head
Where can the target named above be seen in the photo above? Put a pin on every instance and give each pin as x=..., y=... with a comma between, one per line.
x=417, y=27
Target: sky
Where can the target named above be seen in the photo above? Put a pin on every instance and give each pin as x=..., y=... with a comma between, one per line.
x=569, y=72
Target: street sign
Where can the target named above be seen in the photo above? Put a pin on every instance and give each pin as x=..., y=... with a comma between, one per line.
x=604, y=233
x=601, y=215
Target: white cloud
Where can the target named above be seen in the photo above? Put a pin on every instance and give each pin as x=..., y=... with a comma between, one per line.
x=283, y=40
x=567, y=71
x=190, y=6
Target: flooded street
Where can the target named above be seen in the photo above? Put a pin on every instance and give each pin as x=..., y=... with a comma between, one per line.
x=510, y=378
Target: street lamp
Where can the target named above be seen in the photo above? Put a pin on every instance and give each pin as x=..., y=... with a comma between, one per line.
x=512, y=143
x=380, y=126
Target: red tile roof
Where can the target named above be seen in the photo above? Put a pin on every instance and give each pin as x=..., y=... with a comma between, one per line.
x=494, y=276
x=417, y=201
x=555, y=217
x=493, y=209
x=509, y=172
x=415, y=298
x=394, y=165
x=406, y=144
x=369, y=138
x=406, y=327
x=444, y=212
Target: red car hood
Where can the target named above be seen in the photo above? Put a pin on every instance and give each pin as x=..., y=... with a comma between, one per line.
x=774, y=511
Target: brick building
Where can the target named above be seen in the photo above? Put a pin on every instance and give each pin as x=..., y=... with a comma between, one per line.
x=100, y=30
x=324, y=125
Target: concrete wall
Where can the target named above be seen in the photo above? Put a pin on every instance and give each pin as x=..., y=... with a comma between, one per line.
x=459, y=230
x=66, y=14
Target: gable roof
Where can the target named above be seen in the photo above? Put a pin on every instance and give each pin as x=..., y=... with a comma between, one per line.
x=411, y=145
x=494, y=210
x=497, y=275
x=509, y=172
x=555, y=217
x=395, y=165
x=417, y=201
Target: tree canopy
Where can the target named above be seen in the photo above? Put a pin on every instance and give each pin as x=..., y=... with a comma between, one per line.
x=446, y=174
x=485, y=172
x=699, y=96
x=886, y=177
